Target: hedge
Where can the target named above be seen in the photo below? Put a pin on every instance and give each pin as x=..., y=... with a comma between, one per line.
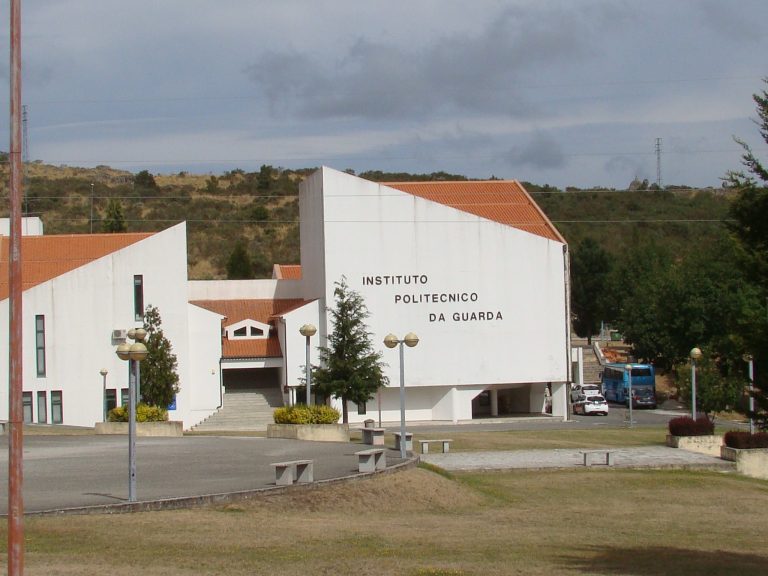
x=745, y=440
x=302, y=414
x=144, y=413
x=687, y=426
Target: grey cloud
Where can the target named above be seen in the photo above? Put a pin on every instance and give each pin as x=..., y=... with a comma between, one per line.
x=479, y=73
x=739, y=25
x=541, y=151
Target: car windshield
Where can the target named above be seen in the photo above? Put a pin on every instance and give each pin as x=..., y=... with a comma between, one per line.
x=596, y=399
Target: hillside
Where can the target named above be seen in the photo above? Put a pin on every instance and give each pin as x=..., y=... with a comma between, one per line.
x=260, y=210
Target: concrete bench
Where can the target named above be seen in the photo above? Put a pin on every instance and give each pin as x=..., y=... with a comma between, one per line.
x=446, y=443
x=587, y=455
x=371, y=460
x=373, y=436
x=298, y=471
x=408, y=441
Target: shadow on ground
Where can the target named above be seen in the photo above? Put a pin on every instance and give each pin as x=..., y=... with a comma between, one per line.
x=661, y=561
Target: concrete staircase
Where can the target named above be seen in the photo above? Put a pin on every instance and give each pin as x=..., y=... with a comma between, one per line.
x=246, y=409
x=592, y=367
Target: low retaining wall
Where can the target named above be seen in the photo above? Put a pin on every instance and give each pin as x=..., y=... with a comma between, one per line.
x=316, y=432
x=753, y=463
x=709, y=445
x=169, y=428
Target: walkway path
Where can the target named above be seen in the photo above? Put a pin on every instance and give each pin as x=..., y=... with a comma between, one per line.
x=642, y=457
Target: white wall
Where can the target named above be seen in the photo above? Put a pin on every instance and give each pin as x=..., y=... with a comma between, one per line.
x=374, y=231
x=261, y=289
x=81, y=309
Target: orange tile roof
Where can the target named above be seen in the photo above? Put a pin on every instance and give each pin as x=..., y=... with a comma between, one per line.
x=287, y=272
x=503, y=201
x=264, y=311
x=46, y=257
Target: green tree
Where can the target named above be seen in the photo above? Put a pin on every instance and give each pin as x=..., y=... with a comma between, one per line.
x=159, y=380
x=719, y=384
x=590, y=269
x=114, y=221
x=350, y=369
x=144, y=180
x=264, y=182
x=749, y=215
x=239, y=264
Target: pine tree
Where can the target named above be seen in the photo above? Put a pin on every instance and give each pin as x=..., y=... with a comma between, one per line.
x=590, y=269
x=114, y=220
x=159, y=380
x=239, y=265
x=350, y=368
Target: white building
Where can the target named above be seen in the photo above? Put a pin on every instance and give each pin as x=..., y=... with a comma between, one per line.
x=475, y=269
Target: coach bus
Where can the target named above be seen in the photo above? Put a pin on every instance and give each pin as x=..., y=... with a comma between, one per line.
x=615, y=384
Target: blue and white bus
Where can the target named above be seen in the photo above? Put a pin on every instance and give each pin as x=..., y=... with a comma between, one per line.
x=615, y=384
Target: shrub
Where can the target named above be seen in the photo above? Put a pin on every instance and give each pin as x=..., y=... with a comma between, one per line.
x=687, y=426
x=144, y=413
x=745, y=440
x=302, y=414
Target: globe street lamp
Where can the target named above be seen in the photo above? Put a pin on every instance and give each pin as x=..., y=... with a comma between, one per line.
x=308, y=330
x=104, y=373
x=751, y=363
x=695, y=355
x=390, y=341
x=135, y=353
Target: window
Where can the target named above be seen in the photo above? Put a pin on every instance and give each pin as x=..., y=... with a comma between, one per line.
x=250, y=329
x=361, y=408
x=125, y=396
x=26, y=402
x=42, y=407
x=40, y=344
x=57, y=407
x=138, y=297
x=110, y=399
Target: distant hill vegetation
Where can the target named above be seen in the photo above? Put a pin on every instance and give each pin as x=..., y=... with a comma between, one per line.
x=258, y=211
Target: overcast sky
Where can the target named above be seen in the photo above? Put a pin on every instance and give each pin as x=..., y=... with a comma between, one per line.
x=565, y=92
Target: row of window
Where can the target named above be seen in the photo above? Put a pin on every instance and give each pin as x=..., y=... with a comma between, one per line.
x=57, y=407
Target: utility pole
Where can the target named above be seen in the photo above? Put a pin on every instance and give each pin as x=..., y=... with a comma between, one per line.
x=15, y=332
x=658, y=162
x=25, y=158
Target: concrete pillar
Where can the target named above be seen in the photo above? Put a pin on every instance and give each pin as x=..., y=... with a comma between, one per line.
x=494, y=402
x=560, y=395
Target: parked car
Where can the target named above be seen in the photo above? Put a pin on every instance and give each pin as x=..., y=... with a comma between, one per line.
x=643, y=398
x=591, y=405
x=584, y=390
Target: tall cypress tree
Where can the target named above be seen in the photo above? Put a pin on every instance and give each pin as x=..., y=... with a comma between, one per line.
x=350, y=368
x=159, y=380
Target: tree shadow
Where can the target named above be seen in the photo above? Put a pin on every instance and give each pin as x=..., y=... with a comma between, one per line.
x=663, y=560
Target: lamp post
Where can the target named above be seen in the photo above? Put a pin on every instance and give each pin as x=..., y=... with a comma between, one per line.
x=390, y=341
x=628, y=368
x=751, y=363
x=695, y=355
x=135, y=352
x=308, y=330
x=104, y=373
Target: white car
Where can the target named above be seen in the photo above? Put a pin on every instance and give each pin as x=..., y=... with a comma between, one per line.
x=591, y=405
x=578, y=390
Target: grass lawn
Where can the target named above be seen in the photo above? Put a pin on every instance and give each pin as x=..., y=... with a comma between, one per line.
x=420, y=522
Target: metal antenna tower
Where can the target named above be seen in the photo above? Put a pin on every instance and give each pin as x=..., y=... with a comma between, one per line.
x=658, y=162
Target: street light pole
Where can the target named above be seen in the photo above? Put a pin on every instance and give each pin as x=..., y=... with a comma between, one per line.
x=135, y=353
x=308, y=330
x=104, y=373
x=390, y=341
x=695, y=355
x=751, y=364
x=628, y=368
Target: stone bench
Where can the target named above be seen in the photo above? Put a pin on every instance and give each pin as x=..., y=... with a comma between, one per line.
x=587, y=455
x=298, y=471
x=408, y=441
x=373, y=436
x=446, y=443
x=371, y=460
